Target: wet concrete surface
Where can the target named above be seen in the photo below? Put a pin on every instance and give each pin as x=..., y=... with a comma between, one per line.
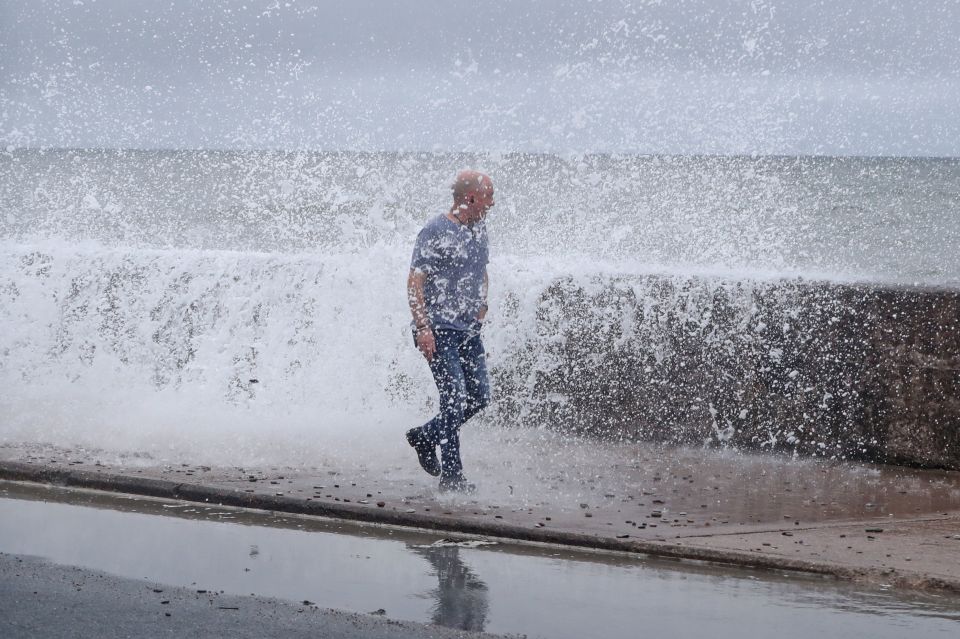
x=521, y=471
x=674, y=497
x=217, y=570
x=43, y=599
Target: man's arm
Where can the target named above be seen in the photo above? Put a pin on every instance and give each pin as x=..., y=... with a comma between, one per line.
x=418, y=308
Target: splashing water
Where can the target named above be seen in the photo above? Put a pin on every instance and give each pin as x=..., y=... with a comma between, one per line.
x=244, y=304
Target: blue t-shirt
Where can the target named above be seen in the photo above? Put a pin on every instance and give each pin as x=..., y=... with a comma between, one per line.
x=454, y=258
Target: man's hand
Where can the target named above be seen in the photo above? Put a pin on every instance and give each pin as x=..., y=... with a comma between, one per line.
x=424, y=335
x=426, y=343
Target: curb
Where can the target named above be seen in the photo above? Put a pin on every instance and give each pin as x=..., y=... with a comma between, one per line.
x=110, y=482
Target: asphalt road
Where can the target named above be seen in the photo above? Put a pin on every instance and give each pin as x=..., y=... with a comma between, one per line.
x=41, y=599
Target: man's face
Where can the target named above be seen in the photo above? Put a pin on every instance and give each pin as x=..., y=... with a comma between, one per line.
x=480, y=201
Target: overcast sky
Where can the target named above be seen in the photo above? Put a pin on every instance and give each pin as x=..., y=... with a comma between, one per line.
x=699, y=76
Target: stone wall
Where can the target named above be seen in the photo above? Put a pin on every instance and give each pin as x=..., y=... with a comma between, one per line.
x=842, y=371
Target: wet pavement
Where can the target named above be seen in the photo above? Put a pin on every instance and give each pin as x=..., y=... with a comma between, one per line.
x=43, y=599
x=728, y=505
x=182, y=559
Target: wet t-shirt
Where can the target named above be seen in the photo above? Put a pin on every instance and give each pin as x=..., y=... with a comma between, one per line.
x=454, y=258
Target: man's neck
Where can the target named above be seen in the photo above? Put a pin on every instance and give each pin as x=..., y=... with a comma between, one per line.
x=454, y=217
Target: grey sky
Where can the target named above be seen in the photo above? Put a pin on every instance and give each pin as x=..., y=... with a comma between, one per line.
x=707, y=76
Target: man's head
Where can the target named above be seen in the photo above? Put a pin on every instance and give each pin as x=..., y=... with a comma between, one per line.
x=472, y=196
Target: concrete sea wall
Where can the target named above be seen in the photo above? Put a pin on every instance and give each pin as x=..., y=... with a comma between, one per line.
x=814, y=368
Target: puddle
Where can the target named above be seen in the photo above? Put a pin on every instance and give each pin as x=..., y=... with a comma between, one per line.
x=501, y=587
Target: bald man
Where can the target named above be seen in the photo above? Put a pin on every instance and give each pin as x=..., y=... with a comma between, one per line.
x=447, y=291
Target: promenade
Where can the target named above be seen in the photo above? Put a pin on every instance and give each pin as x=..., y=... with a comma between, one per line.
x=884, y=525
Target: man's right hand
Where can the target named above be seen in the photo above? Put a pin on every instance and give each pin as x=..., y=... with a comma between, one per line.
x=426, y=343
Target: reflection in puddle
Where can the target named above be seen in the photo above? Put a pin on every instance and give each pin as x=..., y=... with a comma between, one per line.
x=460, y=596
x=539, y=591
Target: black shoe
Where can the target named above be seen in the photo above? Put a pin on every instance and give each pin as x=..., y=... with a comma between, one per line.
x=426, y=452
x=456, y=484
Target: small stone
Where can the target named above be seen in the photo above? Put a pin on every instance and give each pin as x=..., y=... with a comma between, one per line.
x=588, y=514
x=874, y=530
x=381, y=504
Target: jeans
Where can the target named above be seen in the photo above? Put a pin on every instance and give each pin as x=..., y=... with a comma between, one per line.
x=459, y=368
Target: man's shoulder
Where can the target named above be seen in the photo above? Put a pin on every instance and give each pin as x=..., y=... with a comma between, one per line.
x=436, y=225
x=439, y=222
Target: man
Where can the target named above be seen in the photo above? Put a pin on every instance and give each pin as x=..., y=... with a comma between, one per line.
x=447, y=291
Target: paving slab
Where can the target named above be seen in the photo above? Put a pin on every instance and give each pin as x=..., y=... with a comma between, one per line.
x=920, y=553
x=716, y=505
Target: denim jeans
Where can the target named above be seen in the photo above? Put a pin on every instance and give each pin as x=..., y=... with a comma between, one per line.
x=459, y=369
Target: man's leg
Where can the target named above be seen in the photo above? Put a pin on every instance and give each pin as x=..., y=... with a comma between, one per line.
x=473, y=396
x=473, y=360
x=444, y=429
